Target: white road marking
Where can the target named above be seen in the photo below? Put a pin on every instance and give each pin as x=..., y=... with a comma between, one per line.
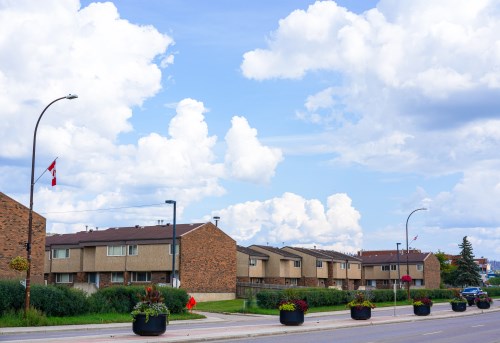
x=476, y=326
x=432, y=333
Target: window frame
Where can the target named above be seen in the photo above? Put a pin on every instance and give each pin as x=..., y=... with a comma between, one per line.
x=134, y=277
x=176, y=249
x=123, y=250
x=54, y=257
x=419, y=267
x=319, y=264
x=297, y=264
x=135, y=249
x=252, y=262
x=114, y=276
x=59, y=276
x=385, y=268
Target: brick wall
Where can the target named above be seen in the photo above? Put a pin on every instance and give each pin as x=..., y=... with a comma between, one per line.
x=13, y=235
x=207, y=261
x=432, y=272
x=274, y=280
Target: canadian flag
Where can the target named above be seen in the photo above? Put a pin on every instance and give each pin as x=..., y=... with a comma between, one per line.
x=52, y=169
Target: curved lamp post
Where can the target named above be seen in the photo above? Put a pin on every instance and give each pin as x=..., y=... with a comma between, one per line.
x=30, y=217
x=174, y=250
x=407, y=248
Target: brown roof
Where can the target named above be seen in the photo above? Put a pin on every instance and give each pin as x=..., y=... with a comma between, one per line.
x=379, y=259
x=251, y=252
x=278, y=251
x=144, y=234
x=339, y=256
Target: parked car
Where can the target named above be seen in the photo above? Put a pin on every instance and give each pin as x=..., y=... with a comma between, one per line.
x=470, y=293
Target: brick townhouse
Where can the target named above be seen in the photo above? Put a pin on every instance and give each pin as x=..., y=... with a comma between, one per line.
x=14, y=235
x=381, y=269
x=205, y=262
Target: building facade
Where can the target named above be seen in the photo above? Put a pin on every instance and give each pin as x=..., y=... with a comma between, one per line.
x=14, y=236
x=205, y=258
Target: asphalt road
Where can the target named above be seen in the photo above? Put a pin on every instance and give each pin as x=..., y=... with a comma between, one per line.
x=483, y=328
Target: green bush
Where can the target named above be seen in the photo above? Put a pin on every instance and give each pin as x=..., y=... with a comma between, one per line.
x=175, y=299
x=268, y=299
x=12, y=295
x=58, y=300
x=120, y=299
x=493, y=291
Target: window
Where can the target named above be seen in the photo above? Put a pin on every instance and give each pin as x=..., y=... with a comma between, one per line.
x=140, y=277
x=117, y=277
x=420, y=267
x=64, y=278
x=342, y=266
x=359, y=265
x=319, y=264
x=176, y=249
x=252, y=262
x=385, y=282
x=116, y=250
x=132, y=250
x=92, y=277
x=293, y=281
x=385, y=268
x=394, y=267
x=296, y=264
x=60, y=253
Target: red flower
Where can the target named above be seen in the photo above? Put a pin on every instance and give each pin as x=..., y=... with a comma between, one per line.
x=406, y=278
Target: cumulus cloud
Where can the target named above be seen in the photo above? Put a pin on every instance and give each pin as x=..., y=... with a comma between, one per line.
x=293, y=220
x=246, y=158
x=57, y=47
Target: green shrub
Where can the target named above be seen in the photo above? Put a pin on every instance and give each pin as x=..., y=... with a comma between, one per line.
x=268, y=299
x=493, y=291
x=58, y=300
x=120, y=299
x=12, y=295
x=175, y=299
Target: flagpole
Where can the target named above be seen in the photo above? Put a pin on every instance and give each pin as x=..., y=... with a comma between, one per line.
x=30, y=216
x=45, y=170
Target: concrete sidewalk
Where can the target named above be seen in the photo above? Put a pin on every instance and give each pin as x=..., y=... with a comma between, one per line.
x=246, y=326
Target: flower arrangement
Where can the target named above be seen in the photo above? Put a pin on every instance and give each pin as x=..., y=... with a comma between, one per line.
x=457, y=298
x=360, y=301
x=293, y=304
x=150, y=304
x=19, y=263
x=422, y=301
x=483, y=298
x=406, y=278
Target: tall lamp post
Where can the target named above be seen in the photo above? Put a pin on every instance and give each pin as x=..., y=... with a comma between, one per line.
x=399, y=268
x=407, y=248
x=30, y=216
x=174, y=250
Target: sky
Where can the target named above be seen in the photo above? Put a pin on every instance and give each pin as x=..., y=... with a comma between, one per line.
x=298, y=123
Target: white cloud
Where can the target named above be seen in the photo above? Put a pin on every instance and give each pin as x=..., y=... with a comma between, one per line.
x=246, y=158
x=293, y=220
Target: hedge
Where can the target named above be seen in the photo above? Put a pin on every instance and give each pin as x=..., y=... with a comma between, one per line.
x=12, y=295
x=317, y=297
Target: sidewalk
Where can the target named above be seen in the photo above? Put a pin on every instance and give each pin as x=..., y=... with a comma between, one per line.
x=243, y=327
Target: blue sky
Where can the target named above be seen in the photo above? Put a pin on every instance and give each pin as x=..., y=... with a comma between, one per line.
x=297, y=122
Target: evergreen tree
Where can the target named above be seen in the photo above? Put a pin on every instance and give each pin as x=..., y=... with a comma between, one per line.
x=467, y=269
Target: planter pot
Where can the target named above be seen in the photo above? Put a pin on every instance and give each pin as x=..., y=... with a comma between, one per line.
x=483, y=305
x=361, y=313
x=459, y=307
x=422, y=310
x=291, y=317
x=154, y=327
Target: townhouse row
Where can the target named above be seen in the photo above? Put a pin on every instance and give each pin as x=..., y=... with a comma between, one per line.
x=296, y=266
x=208, y=262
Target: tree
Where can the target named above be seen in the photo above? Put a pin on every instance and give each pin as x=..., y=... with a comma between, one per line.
x=495, y=281
x=467, y=270
x=448, y=270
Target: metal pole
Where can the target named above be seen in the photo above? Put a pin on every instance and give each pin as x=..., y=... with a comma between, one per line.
x=174, y=250
x=399, y=273
x=216, y=218
x=30, y=216
x=407, y=249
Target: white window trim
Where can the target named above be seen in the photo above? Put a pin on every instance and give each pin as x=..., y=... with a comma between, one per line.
x=319, y=264
x=133, y=277
x=59, y=275
x=123, y=250
x=419, y=267
x=176, y=250
x=297, y=264
x=252, y=262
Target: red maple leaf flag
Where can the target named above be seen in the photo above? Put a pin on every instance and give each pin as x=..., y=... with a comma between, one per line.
x=52, y=169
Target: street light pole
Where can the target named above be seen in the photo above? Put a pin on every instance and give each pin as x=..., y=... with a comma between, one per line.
x=399, y=272
x=174, y=250
x=30, y=216
x=407, y=248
